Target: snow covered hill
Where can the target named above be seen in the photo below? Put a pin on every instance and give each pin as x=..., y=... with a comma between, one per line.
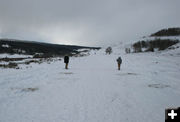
x=92, y=89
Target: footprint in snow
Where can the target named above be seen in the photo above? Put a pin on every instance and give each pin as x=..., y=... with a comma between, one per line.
x=158, y=86
x=29, y=89
x=129, y=73
x=67, y=73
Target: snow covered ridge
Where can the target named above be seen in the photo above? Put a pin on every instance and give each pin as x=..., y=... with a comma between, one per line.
x=159, y=41
x=153, y=45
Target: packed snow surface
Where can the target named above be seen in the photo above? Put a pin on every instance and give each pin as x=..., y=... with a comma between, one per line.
x=92, y=89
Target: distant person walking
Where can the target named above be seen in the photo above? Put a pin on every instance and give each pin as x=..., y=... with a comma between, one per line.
x=119, y=61
x=66, y=61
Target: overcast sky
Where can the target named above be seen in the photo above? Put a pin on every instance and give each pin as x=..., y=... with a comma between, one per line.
x=86, y=22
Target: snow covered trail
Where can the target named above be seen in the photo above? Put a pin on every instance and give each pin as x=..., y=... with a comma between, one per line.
x=92, y=90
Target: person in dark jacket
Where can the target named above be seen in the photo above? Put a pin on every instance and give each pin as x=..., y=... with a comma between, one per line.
x=119, y=61
x=66, y=61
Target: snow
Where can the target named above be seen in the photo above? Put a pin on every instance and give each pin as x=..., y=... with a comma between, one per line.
x=163, y=37
x=172, y=52
x=5, y=55
x=5, y=45
x=92, y=89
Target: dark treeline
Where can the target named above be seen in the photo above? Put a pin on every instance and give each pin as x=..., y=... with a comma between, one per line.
x=31, y=48
x=160, y=44
x=167, y=32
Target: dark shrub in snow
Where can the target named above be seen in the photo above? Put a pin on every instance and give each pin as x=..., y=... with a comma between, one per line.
x=108, y=50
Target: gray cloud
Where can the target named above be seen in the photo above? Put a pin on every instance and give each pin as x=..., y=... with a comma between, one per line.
x=86, y=22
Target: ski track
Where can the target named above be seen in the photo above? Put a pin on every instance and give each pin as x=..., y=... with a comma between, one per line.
x=92, y=90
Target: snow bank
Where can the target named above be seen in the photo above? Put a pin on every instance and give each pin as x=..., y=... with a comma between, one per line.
x=4, y=55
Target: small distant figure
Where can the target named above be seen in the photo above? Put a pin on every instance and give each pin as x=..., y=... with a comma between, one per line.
x=119, y=61
x=66, y=61
x=108, y=50
x=128, y=50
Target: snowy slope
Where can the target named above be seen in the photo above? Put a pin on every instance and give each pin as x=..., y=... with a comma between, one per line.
x=92, y=90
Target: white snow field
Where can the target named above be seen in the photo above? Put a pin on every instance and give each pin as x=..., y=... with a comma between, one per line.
x=92, y=89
